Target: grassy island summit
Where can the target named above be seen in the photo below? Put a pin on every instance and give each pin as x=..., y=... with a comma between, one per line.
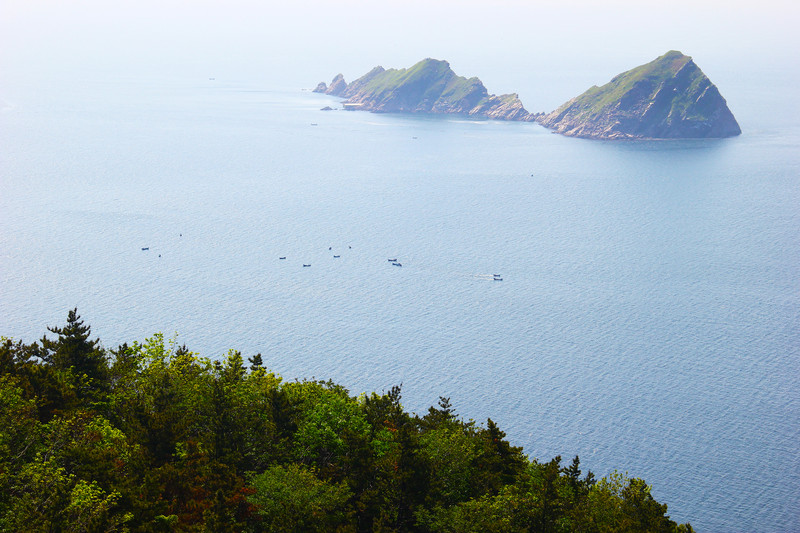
x=668, y=98
x=431, y=87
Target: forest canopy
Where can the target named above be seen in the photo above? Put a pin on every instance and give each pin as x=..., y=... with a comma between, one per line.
x=152, y=437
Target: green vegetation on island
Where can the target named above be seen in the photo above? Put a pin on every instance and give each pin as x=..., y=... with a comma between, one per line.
x=429, y=86
x=667, y=98
x=151, y=437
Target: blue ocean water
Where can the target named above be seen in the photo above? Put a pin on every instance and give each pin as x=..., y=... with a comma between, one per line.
x=647, y=319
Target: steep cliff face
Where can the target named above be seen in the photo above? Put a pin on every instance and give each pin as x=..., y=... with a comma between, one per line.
x=667, y=98
x=430, y=86
x=503, y=107
x=336, y=88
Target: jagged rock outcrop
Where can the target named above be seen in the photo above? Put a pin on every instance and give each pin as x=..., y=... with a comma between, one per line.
x=668, y=98
x=431, y=87
x=503, y=107
x=336, y=88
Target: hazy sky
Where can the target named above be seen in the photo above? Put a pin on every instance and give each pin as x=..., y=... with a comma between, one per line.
x=545, y=50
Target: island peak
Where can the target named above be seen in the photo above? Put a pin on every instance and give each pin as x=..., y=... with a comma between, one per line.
x=668, y=98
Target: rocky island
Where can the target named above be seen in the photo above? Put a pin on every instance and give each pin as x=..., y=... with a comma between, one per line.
x=429, y=87
x=668, y=98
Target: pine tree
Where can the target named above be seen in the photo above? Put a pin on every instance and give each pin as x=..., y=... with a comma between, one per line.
x=255, y=362
x=74, y=350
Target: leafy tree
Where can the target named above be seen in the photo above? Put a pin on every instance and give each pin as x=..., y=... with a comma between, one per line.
x=45, y=497
x=331, y=424
x=54, y=390
x=451, y=453
x=20, y=437
x=290, y=498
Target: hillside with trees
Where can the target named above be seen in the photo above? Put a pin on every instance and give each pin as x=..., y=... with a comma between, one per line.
x=151, y=437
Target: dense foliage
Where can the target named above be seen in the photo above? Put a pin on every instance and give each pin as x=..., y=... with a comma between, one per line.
x=151, y=437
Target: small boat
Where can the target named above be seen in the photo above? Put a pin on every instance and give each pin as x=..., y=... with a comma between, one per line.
x=282, y=257
x=306, y=265
x=498, y=279
x=337, y=256
x=314, y=124
x=392, y=260
x=145, y=248
x=397, y=264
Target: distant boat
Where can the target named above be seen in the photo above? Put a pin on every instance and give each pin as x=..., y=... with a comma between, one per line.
x=397, y=264
x=314, y=124
x=145, y=248
x=498, y=279
x=337, y=256
x=211, y=79
x=282, y=257
x=392, y=260
x=306, y=265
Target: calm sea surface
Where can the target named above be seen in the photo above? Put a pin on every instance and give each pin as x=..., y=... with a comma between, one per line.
x=648, y=318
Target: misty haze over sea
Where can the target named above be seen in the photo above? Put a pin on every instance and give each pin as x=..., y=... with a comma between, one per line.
x=648, y=315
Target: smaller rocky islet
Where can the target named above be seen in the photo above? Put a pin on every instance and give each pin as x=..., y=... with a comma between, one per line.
x=667, y=98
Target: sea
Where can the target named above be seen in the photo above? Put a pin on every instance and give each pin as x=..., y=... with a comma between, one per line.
x=633, y=303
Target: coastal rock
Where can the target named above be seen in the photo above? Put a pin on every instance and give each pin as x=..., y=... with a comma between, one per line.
x=503, y=107
x=430, y=87
x=668, y=98
x=336, y=88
